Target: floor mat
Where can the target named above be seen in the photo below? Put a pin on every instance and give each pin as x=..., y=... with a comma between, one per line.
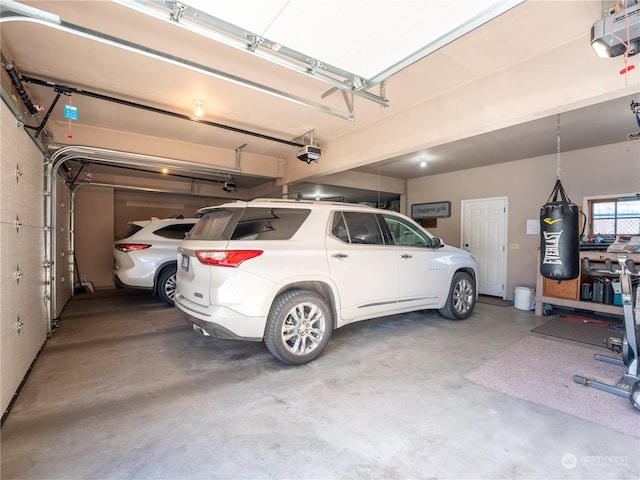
x=494, y=301
x=581, y=329
x=541, y=371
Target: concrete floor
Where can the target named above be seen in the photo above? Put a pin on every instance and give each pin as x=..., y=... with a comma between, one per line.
x=125, y=389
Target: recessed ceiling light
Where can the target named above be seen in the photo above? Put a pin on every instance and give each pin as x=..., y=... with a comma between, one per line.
x=423, y=164
x=199, y=104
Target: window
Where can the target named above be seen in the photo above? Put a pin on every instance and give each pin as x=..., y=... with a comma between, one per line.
x=250, y=223
x=339, y=229
x=176, y=231
x=133, y=228
x=405, y=234
x=613, y=216
x=216, y=224
x=357, y=227
x=269, y=223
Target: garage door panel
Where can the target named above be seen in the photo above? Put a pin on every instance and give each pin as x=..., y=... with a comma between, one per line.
x=64, y=257
x=23, y=266
x=29, y=206
x=9, y=192
x=22, y=199
x=21, y=255
x=20, y=302
x=25, y=300
x=31, y=245
x=22, y=249
x=8, y=252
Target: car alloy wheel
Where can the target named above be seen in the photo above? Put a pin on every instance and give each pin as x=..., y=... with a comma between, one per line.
x=298, y=327
x=167, y=285
x=462, y=297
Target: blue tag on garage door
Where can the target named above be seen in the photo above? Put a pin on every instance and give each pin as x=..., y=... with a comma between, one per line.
x=70, y=112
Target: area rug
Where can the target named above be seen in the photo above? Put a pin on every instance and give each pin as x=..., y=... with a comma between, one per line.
x=541, y=370
x=581, y=329
x=494, y=301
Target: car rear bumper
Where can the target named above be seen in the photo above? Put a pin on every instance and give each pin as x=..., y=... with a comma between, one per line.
x=120, y=284
x=136, y=277
x=221, y=322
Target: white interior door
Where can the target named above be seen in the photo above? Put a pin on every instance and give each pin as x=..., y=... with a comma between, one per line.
x=484, y=236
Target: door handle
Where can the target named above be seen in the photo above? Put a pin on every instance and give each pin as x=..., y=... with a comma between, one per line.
x=340, y=255
x=406, y=255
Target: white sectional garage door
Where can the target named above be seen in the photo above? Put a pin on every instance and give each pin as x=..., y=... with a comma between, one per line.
x=22, y=255
x=64, y=273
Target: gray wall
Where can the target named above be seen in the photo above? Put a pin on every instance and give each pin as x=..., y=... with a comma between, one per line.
x=612, y=169
x=102, y=214
x=94, y=209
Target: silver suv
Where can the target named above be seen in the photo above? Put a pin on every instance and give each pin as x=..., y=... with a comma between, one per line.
x=289, y=272
x=145, y=256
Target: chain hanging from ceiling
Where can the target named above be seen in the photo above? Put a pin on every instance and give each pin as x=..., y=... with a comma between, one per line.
x=558, y=161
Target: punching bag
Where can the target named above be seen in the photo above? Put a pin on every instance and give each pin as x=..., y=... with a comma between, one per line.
x=559, y=236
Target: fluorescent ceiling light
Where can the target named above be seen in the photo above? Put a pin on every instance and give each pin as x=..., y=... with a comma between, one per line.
x=364, y=37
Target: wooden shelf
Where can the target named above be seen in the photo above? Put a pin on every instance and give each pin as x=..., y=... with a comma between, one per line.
x=591, y=306
x=565, y=292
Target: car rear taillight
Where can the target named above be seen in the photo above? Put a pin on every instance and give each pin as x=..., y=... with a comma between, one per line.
x=226, y=258
x=130, y=247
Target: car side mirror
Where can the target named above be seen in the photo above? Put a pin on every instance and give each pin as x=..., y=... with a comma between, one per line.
x=436, y=243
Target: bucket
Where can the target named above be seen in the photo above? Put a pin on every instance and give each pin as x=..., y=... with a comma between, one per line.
x=524, y=298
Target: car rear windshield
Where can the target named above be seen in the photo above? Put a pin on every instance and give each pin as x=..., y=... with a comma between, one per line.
x=176, y=231
x=252, y=223
x=133, y=228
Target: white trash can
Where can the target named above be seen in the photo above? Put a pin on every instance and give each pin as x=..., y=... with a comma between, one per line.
x=524, y=298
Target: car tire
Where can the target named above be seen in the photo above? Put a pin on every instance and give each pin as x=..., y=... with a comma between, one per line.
x=298, y=327
x=167, y=285
x=462, y=297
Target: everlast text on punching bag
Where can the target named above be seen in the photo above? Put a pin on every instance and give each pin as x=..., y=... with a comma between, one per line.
x=559, y=237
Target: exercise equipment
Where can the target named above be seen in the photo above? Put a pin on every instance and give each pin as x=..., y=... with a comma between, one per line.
x=559, y=236
x=559, y=231
x=629, y=384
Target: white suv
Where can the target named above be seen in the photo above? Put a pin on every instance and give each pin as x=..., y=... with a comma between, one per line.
x=145, y=257
x=289, y=272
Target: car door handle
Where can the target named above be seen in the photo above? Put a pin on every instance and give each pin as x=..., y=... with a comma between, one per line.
x=340, y=255
x=406, y=255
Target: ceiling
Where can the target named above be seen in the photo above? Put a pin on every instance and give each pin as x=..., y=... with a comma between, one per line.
x=353, y=36
x=599, y=124
x=94, y=57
